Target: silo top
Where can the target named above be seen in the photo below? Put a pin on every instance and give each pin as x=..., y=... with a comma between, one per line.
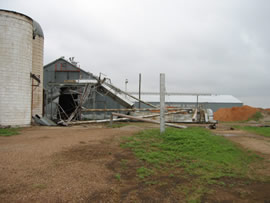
x=37, y=30
x=14, y=12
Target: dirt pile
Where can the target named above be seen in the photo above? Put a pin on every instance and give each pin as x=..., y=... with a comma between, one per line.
x=235, y=113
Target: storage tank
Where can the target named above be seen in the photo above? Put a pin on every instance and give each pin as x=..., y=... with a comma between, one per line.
x=37, y=69
x=16, y=64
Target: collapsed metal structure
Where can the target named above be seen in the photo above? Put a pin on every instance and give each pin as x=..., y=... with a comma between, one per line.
x=74, y=102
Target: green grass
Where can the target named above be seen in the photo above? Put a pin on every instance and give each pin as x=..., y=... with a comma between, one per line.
x=144, y=172
x=195, y=149
x=264, y=131
x=200, y=156
x=118, y=176
x=9, y=132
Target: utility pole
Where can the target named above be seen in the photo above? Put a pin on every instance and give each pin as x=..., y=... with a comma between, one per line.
x=140, y=80
x=162, y=103
x=126, y=82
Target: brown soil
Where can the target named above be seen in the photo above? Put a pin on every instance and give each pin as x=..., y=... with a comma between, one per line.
x=86, y=164
x=58, y=164
x=242, y=113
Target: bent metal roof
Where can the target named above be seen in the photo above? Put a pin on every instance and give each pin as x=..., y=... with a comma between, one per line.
x=113, y=92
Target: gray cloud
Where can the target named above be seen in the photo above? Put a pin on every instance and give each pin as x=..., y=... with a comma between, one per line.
x=202, y=46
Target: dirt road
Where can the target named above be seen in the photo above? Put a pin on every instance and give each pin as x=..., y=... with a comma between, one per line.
x=250, y=141
x=56, y=164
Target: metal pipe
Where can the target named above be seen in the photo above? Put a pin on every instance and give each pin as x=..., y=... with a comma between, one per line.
x=147, y=120
x=51, y=104
x=110, y=110
x=117, y=119
x=194, y=117
x=175, y=93
x=32, y=99
x=131, y=96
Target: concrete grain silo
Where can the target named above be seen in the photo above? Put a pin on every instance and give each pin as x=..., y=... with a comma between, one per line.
x=17, y=61
x=37, y=69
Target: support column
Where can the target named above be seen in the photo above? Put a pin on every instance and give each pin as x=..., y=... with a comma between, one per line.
x=162, y=103
x=140, y=80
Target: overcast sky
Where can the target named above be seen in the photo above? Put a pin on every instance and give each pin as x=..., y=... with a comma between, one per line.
x=209, y=46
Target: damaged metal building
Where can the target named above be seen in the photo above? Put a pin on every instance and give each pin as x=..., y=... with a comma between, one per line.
x=73, y=95
x=67, y=86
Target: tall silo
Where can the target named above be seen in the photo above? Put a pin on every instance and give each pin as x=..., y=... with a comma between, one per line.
x=16, y=64
x=37, y=69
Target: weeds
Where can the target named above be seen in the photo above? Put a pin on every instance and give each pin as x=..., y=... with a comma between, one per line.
x=144, y=172
x=118, y=176
x=202, y=156
x=6, y=132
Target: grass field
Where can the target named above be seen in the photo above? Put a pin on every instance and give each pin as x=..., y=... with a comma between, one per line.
x=9, y=132
x=264, y=131
x=195, y=154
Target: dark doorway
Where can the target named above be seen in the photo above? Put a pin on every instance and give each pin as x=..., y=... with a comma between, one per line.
x=68, y=103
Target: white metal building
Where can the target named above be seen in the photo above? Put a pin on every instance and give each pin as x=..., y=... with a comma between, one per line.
x=208, y=101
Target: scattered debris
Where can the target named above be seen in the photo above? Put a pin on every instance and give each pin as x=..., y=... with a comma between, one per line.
x=75, y=102
x=43, y=121
x=147, y=120
x=212, y=126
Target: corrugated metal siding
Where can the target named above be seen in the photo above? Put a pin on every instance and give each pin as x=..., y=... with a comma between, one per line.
x=98, y=101
x=55, y=72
